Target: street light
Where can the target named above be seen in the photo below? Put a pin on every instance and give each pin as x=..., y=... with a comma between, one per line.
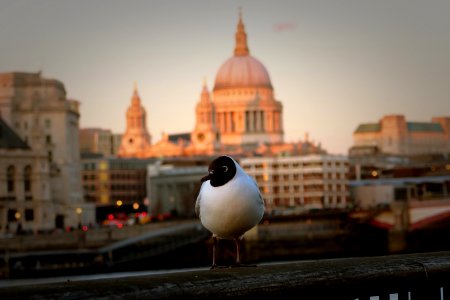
x=119, y=203
x=135, y=205
x=17, y=215
x=79, y=210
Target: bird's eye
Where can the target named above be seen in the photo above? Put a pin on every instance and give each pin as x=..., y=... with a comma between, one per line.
x=225, y=168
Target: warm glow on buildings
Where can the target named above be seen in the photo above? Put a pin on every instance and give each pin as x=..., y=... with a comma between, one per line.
x=240, y=117
x=395, y=136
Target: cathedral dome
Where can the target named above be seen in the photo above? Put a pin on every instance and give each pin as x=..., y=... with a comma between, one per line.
x=241, y=71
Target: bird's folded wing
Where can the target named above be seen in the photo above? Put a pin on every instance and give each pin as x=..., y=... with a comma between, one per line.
x=197, y=206
x=256, y=184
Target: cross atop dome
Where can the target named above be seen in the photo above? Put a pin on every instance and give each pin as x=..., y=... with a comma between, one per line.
x=241, y=48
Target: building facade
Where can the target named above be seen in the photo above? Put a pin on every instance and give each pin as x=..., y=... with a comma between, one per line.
x=394, y=135
x=98, y=140
x=289, y=185
x=25, y=186
x=173, y=189
x=38, y=110
x=300, y=183
x=370, y=194
x=107, y=180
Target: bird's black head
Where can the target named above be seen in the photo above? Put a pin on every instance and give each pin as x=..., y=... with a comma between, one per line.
x=221, y=170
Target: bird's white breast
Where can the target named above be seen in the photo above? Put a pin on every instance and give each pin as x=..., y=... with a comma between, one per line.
x=230, y=210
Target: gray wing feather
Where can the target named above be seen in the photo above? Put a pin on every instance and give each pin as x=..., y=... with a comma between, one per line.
x=197, y=204
x=254, y=182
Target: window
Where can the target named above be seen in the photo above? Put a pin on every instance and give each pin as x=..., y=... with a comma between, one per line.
x=12, y=215
x=29, y=215
x=10, y=174
x=27, y=178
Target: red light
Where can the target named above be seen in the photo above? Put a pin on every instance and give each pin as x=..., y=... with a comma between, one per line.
x=143, y=213
x=84, y=228
x=120, y=225
x=110, y=217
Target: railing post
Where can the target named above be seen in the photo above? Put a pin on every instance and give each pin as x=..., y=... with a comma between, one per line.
x=428, y=292
x=403, y=295
x=384, y=296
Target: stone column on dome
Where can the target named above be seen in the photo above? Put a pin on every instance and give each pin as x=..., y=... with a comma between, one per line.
x=233, y=121
x=258, y=120
x=242, y=121
x=217, y=117
x=227, y=121
x=274, y=121
x=224, y=121
x=219, y=121
x=247, y=121
x=262, y=120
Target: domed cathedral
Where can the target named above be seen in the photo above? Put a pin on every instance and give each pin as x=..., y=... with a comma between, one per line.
x=246, y=111
x=241, y=117
x=136, y=140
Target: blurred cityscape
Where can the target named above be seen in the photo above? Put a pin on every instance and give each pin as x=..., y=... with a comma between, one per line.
x=85, y=200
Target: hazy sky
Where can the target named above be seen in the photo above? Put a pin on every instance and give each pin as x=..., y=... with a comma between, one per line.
x=333, y=64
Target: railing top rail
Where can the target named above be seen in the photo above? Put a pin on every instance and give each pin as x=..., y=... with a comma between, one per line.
x=345, y=278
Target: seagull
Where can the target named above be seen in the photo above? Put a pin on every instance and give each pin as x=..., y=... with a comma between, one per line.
x=229, y=203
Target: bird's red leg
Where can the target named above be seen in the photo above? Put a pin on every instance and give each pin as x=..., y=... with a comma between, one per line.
x=214, y=252
x=238, y=258
x=238, y=255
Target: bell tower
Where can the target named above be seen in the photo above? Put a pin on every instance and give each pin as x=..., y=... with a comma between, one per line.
x=205, y=137
x=136, y=141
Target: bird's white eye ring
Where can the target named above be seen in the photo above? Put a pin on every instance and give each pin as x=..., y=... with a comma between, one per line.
x=225, y=168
